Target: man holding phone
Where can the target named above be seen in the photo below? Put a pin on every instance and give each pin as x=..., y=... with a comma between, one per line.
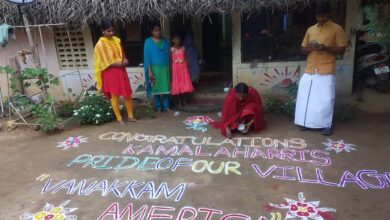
x=316, y=93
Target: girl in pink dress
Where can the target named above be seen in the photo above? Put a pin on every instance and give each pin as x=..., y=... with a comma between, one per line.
x=181, y=81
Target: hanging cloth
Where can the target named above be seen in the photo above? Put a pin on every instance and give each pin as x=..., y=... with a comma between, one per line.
x=6, y=31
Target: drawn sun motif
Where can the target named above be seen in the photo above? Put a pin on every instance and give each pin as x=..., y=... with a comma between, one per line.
x=303, y=210
x=88, y=83
x=51, y=212
x=338, y=146
x=72, y=142
x=198, y=123
x=280, y=78
x=138, y=80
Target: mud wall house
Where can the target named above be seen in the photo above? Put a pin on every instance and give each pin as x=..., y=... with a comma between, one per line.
x=252, y=41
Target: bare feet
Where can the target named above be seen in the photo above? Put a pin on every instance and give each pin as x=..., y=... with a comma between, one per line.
x=228, y=133
x=132, y=120
x=121, y=123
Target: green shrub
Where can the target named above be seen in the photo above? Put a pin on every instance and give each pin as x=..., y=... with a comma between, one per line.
x=44, y=113
x=274, y=105
x=283, y=107
x=66, y=109
x=47, y=118
x=289, y=108
x=94, y=109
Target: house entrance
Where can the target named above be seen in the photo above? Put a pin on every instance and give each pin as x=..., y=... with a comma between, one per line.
x=213, y=41
x=217, y=50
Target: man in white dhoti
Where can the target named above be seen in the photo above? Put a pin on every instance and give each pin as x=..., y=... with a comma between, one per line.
x=316, y=93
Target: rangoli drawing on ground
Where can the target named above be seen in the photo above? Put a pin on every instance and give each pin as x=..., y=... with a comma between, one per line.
x=303, y=210
x=198, y=123
x=338, y=146
x=42, y=177
x=274, y=216
x=72, y=142
x=51, y=212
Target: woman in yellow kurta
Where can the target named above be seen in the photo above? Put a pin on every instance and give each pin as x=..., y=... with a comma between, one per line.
x=110, y=73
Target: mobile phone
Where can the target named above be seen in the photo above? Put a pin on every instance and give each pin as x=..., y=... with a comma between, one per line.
x=314, y=44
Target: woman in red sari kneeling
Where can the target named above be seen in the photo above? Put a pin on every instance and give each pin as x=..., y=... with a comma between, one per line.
x=242, y=112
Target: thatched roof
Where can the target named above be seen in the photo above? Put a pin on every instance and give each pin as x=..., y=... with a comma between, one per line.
x=86, y=11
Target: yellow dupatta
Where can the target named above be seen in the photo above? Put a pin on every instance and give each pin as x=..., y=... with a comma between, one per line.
x=107, y=51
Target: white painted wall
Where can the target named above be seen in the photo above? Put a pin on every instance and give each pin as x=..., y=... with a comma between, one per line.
x=76, y=81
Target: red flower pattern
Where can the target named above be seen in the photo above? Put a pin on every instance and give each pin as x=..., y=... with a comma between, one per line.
x=302, y=209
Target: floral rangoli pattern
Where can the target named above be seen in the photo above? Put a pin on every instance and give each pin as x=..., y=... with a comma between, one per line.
x=198, y=123
x=72, y=142
x=338, y=146
x=303, y=210
x=51, y=212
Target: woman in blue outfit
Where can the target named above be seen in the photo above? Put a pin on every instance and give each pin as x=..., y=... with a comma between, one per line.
x=156, y=64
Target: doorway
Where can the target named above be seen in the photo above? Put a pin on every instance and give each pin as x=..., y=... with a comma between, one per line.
x=212, y=40
x=217, y=50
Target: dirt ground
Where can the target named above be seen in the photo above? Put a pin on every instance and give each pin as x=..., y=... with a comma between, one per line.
x=353, y=185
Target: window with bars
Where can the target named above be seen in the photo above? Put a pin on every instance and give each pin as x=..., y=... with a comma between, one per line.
x=276, y=35
x=70, y=48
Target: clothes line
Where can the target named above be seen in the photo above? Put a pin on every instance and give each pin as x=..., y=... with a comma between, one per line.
x=39, y=25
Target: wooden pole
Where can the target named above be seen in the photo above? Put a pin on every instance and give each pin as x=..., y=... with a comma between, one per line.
x=34, y=50
x=28, y=31
x=39, y=25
